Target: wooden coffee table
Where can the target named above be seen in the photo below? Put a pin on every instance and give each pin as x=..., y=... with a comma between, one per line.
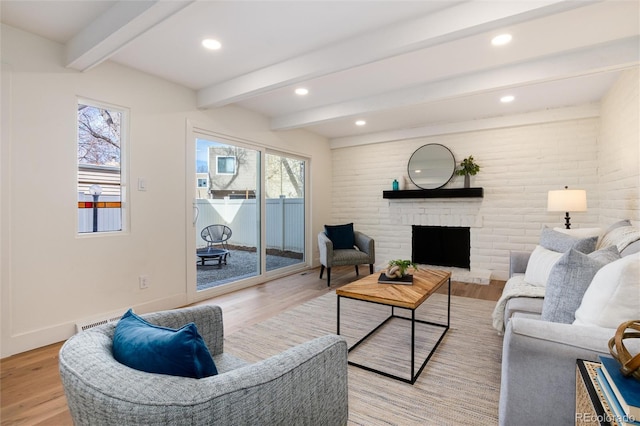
x=425, y=283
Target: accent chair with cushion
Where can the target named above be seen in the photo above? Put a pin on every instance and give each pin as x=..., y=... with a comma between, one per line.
x=306, y=384
x=340, y=245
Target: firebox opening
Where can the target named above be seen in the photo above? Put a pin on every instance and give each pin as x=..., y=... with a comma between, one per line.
x=441, y=245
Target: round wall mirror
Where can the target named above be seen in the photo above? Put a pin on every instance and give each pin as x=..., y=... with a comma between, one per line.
x=431, y=166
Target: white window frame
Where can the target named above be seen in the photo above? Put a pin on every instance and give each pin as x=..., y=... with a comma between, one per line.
x=218, y=172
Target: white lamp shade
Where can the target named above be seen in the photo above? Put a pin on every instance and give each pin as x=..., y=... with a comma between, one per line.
x=567, y=200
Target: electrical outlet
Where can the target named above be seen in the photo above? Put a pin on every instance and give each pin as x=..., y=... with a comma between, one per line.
x=143, y=280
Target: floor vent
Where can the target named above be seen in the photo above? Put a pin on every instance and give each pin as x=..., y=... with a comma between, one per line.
x=86, y=325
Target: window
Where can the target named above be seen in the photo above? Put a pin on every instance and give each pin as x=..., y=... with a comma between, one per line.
x=100, y=185
x=202, y=183
x=225, y=165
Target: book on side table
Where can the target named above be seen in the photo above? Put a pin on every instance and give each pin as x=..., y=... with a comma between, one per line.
x=620, y=390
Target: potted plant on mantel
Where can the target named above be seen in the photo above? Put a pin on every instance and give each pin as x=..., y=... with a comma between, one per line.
x=468, y=168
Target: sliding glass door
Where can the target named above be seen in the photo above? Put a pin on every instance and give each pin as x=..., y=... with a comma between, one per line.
x=249, y=214
x=227, y=213
x=284, y=211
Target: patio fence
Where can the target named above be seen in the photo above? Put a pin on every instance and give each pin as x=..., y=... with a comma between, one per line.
x=109, y=219
x=285, y=220
x=284, y=216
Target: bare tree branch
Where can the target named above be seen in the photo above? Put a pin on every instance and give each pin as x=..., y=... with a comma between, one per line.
x=98, y=135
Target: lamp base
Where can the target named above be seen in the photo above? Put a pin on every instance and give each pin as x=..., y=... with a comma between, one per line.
x=567, y=223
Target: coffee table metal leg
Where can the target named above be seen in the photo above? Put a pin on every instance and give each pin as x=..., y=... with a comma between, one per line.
x=413, y=345
x=338, y=319
x=414, y=376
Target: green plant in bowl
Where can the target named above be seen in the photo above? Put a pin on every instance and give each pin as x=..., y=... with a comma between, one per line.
x=398, y=268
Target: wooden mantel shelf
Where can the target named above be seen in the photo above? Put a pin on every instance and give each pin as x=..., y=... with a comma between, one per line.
x=435, y=193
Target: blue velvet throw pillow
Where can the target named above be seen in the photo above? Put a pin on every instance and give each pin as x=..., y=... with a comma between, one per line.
x=341, y=236
x=155, y=349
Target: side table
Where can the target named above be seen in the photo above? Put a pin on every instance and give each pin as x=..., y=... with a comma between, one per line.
x=591, y=404
x=213, y=253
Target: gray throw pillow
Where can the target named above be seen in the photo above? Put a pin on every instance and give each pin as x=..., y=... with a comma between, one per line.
x=568, y=281
x=618, y=224
x=631, y=249
x=560, y=242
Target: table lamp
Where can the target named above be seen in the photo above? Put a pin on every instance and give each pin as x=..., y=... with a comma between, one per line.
x=567, y=200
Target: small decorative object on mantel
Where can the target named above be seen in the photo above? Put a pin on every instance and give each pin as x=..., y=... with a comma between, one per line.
x=395, y=185
x=468, y=168
x=396, y=272
x=629, y=365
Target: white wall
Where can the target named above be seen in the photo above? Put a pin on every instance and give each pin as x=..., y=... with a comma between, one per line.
x=619, y=151
x=519, y=165
x=50, y=277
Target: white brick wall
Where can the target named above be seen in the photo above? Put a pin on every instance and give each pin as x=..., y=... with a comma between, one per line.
x=619, y=151
x=519, y=165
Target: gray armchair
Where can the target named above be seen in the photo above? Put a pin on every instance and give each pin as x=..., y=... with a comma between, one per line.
x=330, y=257
x=306, y=384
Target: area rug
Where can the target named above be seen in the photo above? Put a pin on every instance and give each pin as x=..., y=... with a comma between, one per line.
x=459, y=386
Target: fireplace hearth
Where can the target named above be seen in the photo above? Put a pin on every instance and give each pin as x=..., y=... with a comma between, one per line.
x=441, y=245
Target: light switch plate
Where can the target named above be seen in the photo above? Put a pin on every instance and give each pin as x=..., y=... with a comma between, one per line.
x=142, y=184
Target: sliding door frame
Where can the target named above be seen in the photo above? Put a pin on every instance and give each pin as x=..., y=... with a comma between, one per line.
x=194, y=131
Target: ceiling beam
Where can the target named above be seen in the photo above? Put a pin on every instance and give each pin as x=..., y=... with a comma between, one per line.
x=525, y=119
x=607, y=57
x=115, y=28
x=461, y=20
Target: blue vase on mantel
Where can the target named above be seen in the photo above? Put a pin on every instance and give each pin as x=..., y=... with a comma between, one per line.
x=395, y=185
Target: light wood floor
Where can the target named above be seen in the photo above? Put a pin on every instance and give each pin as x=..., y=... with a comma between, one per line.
x=31, y=390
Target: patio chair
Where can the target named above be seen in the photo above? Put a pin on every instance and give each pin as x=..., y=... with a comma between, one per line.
x=216, y=234
x=340, y=245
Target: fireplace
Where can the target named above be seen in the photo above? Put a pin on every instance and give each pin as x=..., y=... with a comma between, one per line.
x=441, y=246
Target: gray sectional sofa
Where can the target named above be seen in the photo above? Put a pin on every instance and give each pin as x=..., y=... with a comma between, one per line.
x=539, y=356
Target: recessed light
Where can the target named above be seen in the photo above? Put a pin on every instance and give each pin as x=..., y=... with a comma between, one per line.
x=507, y=99
x=211, y=44
x=302, y=91
x=360, y=123
x=501, y=40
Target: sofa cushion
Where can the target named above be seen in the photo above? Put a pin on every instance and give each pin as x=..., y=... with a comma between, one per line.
x=580, y=232
x=539, y=266
x=155, y=349
x=568, y=281
x=341, y=236
x=620, y=237
x=618, y=224
x=613, y=295
x=523, y=305
x=631, y=249
x=562, y=242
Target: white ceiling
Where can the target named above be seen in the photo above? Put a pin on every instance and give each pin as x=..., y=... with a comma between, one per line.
x=405, y=67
